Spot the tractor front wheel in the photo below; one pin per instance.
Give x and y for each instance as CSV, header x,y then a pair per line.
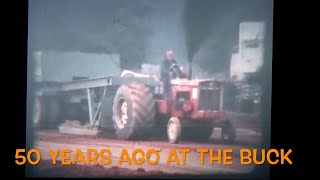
x,y
174,130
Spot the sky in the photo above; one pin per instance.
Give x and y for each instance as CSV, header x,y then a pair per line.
x,y
141,31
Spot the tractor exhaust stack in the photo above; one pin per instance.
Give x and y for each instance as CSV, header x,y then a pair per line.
x,y
190,69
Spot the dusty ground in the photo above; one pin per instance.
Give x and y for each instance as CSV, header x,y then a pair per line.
x,y
249,136
45,169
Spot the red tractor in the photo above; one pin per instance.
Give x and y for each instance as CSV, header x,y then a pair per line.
x,y
193,110
135,106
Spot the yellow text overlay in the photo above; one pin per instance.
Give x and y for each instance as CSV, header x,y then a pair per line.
x,y
152,156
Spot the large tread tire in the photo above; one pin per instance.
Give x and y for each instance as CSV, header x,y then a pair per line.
x,y
140,111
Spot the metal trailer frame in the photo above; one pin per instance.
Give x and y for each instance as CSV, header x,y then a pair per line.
x,y
52,88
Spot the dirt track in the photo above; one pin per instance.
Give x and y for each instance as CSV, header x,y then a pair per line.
x,y
248,136
46,139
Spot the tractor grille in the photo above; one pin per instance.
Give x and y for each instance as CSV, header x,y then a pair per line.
x,y
209,99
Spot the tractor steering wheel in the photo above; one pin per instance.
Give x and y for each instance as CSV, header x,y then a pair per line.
x,y
172,71
172,66
176,73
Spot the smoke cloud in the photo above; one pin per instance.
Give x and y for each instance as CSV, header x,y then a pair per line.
x,y
212,29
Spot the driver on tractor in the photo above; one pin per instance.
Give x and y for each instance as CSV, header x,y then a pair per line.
x,y
169,69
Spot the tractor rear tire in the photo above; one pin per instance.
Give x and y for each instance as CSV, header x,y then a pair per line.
x,y
133,111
